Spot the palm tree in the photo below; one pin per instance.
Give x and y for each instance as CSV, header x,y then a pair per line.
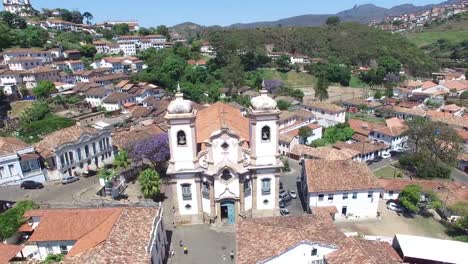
x,y
88,17
150,183
121,161
106,175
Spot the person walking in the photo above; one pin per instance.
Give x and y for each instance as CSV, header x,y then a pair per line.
x,y
181,244
232,255
186,250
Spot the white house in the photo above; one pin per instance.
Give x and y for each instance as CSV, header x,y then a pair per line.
x,y
10,80
289,137
223,166
392,134
326,113
312,239
24,63
136,234
76,149
112,63
116,100
18,162
128,48
15,53
347,185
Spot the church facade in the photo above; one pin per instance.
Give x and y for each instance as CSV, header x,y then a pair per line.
x,y
223,165
18,7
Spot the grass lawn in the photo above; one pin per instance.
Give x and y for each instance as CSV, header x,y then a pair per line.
x,y
388,172
291,78
50,123
18,107
355,82
426,38
366,117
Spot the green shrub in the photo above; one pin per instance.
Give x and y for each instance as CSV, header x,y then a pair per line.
x,y
13,218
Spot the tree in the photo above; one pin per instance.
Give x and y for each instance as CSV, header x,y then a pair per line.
x,y
333,21
121,29
121,160
144,31
106,174
304,133
88,51
163,30
12,219
43,89
6,40
233,74
31,37
150,183
378,94
88,17
53,258
12,20
76,17
390,64
154,150
321,88
283,62
283,105
410,197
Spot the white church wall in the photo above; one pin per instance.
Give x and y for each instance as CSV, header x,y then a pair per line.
x,y
261,205
229,189
266,150
183,155
248,202
221,155
206,205
193,204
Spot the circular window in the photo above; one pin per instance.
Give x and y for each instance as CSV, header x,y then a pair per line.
x,y
225,146
226,175
265,202
188,206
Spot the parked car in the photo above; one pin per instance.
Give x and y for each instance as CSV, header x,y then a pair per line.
x,y
386,155
378,158
31,185
284,211
282,192
395,207
285,199
293,194
69,179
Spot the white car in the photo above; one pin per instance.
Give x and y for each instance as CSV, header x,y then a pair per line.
x,y
386,155
394,207
293,194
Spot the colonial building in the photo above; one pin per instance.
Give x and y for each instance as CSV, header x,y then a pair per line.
x,y
73,150
348,187
18,162
223,165
18,7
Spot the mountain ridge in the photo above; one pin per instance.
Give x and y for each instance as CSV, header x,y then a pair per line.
x,y
359,13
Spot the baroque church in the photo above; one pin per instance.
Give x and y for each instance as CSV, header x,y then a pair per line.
x,y
223,165
18,7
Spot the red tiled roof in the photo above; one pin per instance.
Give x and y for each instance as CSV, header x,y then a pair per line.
x,y
213,118
9,145
337,175
7,252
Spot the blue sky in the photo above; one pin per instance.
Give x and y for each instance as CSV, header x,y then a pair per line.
x,y
209,12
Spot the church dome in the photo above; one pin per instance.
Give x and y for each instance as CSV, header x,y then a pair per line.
x,y
179,105
263,102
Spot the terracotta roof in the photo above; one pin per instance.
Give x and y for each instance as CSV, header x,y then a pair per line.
x,y
463,134
97,91
140,111
41,70
127,241
329,176
451,107
359,251
358,102
428,84
259,239
63,136
214,117
325,106
451,120
124,139
116,97
395,127
453,191
458,85
22,50
408,104
9,145
7,252
325,153
363,127
19,59
410,111
362,147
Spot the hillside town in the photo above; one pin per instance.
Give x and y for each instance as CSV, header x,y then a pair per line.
x,y
418,20
126,144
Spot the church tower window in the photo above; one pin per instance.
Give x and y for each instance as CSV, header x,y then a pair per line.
x,y
226,175
266,133
181,138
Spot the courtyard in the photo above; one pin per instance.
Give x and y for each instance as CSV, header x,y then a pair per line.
x,y
393,223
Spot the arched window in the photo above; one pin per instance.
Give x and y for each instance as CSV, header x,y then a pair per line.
x,y
266,133
181,138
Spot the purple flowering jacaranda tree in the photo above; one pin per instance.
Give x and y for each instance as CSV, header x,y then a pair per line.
x,y
154,149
